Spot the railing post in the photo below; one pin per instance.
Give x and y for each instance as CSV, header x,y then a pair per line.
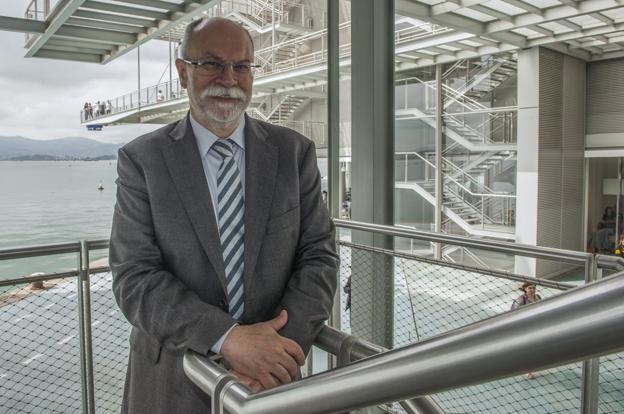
x,y
482,213
81,322
591,367
84,309
405,174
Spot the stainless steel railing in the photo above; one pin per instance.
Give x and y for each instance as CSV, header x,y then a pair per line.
x,y
589,260
82,274
582,323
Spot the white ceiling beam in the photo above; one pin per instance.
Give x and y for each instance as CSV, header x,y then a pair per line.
x,y
94,24
571,3
447,7
602,18
458,22
440,51
463,46
493,13
79,43
609,41
17,24
132,11
435,40
566,50
416,55
156,4
115,18
96,35
608,55
57,20
74,49
82,57
486,42
541,30
529,8
596,31
553,14
190,11
569,24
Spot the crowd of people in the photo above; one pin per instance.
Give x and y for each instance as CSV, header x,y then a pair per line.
x,y
91,111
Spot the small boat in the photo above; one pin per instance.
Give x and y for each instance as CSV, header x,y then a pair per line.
x,y
100,187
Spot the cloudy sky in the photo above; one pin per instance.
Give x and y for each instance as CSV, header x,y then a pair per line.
x,y
42,98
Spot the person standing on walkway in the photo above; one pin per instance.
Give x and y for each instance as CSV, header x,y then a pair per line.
x,y
220,242
528,296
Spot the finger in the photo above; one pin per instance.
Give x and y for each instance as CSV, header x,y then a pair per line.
x,y
288,363
279,321
267,381
255,386
294,350
281,374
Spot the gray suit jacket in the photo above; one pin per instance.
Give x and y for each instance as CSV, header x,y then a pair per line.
x,y
165,254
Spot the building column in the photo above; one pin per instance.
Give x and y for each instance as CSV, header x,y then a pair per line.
x,y
372,115
551,143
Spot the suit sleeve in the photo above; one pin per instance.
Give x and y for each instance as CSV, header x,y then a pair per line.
x,y
308,297
153,299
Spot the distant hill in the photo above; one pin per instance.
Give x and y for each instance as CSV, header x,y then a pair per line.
x,y
74,148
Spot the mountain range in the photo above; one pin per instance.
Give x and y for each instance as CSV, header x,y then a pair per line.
x,y
73,148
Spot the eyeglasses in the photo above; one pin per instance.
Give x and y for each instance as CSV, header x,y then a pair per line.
x,y
215,67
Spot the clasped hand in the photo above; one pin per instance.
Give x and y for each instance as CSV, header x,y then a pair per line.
x,y
260,357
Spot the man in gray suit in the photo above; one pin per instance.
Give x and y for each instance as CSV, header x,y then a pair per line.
x,y
220,241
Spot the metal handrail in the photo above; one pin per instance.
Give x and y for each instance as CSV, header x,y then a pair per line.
x,y
579,324
539,252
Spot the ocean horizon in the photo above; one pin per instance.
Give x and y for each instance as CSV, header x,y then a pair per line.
x,y
49,202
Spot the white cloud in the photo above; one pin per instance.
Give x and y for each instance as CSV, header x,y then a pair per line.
x,y
42,98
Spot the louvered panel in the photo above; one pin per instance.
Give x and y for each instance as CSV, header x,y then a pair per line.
x,y
605,89
550,139
574,75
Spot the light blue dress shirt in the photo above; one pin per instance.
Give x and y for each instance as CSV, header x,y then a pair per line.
x,y
211,161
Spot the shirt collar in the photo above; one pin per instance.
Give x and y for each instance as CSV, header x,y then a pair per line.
x,y
205,138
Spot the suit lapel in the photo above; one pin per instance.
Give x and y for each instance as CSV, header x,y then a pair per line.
x,y
260,171
185,166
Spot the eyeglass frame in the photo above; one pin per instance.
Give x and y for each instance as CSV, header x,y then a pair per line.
x,y
198,64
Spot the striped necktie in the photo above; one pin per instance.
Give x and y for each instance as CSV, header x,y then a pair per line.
x,y
231,224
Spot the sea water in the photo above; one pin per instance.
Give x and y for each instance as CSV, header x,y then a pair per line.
x,y
47,202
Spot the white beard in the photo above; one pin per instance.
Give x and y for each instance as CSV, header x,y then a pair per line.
x,y
223,112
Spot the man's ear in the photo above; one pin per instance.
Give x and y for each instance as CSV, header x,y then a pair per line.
x,y
181,67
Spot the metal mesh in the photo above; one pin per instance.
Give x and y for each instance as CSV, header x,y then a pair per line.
x,y
39,349
431,298
110,332
611,395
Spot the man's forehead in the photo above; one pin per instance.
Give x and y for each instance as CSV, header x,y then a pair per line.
x,y
221,37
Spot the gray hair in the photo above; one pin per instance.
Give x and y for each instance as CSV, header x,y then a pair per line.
x,y
192,26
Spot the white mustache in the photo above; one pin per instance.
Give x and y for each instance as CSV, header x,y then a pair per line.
x,y
222,91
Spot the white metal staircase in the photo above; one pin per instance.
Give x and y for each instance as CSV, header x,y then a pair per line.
x,y
474,207
277,111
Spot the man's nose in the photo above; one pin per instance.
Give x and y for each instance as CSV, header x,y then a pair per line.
x,y
228,76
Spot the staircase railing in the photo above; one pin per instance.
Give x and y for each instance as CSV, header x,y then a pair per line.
x,y
490,206
492,116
